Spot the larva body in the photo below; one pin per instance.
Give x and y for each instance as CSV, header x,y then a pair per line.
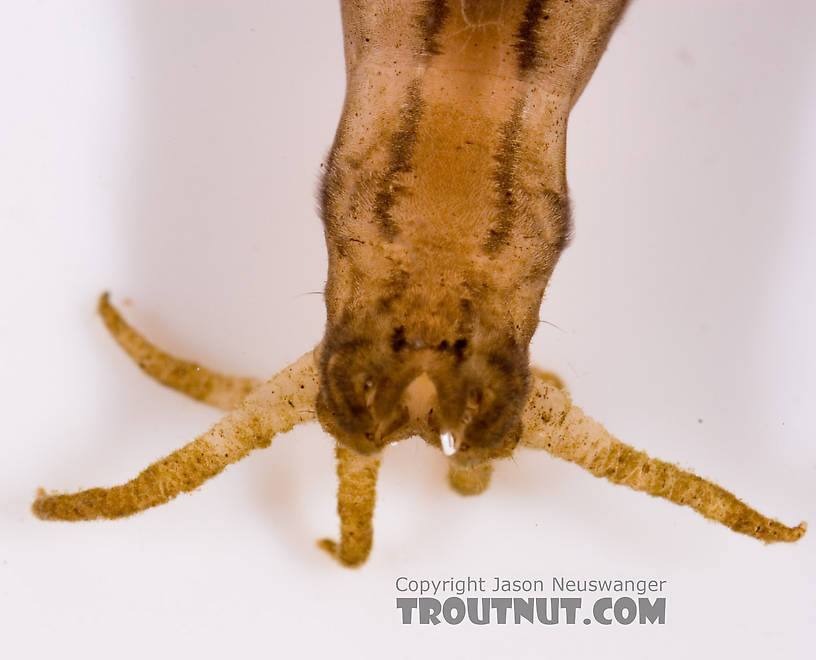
x,y
445,211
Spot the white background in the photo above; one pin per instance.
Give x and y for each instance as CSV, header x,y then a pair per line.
x,y
169,151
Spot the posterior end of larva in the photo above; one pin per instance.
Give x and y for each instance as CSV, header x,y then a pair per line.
x,y
780,532
331,546
38,507
103,305
796,533
84,505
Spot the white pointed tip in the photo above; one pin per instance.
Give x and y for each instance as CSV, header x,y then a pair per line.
x,y
448,443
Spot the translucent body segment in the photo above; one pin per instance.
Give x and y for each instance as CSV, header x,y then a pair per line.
x,y
189,378
274,407
469,480
552,423
356,497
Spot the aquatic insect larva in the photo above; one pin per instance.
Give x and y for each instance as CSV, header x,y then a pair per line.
x,y
445,210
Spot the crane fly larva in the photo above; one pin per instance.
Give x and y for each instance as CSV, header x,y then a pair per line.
x,y
445,209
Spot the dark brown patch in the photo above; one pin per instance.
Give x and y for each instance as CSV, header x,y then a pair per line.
x,y
527,44
459,347
430,23
400,152
398,341
564,217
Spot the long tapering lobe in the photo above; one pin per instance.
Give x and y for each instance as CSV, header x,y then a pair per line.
x,y
356,498
190,378
275,407
554,424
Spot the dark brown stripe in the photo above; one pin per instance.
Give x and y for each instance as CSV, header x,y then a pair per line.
x,y
503,179
527,44
430,23
401,150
